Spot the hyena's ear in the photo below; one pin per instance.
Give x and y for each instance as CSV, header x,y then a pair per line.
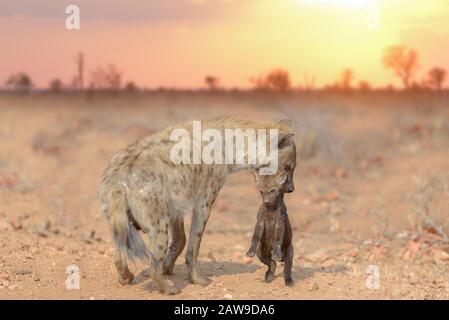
x,y
281,179
255,175
286,122
284,139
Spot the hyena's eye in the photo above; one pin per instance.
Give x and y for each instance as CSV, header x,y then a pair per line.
x,y
273,190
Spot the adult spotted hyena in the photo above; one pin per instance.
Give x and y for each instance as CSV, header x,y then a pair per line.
x,y
143,189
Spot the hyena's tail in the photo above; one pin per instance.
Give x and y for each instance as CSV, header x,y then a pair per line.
x,y
126,237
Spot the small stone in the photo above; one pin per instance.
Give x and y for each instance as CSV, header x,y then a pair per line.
x,y
313,286
21,271
211,256
402,235
441,256
227,296
426,259
328,263
353,253
12,286
414,279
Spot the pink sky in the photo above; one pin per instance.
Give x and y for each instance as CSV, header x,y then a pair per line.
x,y
176,43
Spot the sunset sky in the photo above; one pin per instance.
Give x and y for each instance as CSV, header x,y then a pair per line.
x,y
176,43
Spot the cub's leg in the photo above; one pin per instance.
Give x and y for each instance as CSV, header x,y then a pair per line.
x,y
288,258
269,275
279,231
258,231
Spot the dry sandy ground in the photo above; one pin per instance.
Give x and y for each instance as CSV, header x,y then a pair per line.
x,y
371,189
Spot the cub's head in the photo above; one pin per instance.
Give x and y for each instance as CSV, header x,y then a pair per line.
x,y
271,187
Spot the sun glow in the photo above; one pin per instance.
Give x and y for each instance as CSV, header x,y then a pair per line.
x,y
344,3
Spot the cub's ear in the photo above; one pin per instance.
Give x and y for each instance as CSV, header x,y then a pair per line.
x,y
282,179
286,122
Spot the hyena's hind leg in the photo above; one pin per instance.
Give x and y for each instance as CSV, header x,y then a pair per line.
x,y
124,276
177,244
159,245
115,208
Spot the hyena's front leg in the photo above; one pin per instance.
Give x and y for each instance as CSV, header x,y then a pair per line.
x,y
177,244
199,220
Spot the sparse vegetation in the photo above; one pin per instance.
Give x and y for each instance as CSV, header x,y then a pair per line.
x,y
55,85
403,62
19,82
106,78
212,83
436,78
277,80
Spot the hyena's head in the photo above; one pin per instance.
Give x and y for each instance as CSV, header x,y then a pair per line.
x,y
270,187
287,157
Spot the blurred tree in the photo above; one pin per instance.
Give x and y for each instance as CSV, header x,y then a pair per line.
x,y
308,81
108,78
78,81
277,79
19,82
212,82
364,86
55,85
403,62
436,78
346,79
131,87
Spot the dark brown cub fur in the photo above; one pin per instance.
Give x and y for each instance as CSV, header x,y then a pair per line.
x,y
272,239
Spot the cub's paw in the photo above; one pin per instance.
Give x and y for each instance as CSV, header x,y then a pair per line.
x,y
289,282
269,277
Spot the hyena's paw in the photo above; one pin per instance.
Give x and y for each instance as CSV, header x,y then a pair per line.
x,y
125,278
171,290
251,253
289,282
201,280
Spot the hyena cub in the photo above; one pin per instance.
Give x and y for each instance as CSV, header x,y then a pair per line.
x,y
272,239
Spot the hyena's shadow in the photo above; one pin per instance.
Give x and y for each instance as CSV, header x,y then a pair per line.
x,y
305,273
208,268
